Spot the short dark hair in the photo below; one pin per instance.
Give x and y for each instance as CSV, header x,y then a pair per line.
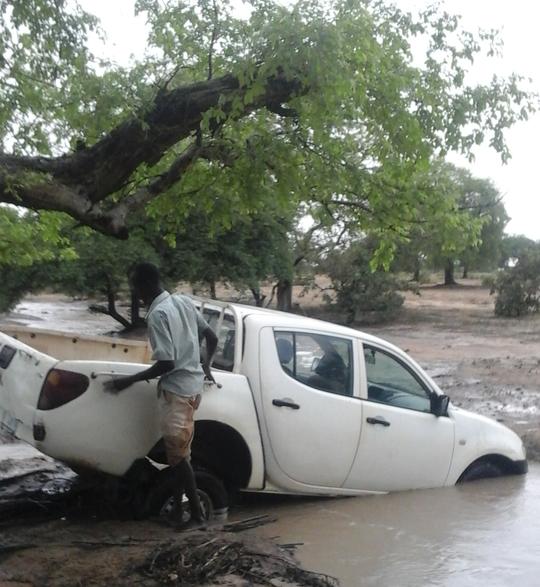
x,y
145,275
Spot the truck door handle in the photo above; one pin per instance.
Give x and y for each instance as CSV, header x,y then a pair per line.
x,y
285,403
381,421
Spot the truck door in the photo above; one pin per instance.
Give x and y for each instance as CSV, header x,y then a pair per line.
x,y
311,410
402,445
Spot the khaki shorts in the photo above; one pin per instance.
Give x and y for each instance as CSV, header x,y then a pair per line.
x,y
177,426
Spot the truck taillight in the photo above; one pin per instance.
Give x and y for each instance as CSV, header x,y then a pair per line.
x,y
61,387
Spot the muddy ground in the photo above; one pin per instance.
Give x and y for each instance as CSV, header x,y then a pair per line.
x,y
485,364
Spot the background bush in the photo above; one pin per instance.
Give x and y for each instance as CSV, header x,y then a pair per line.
x,y
517,288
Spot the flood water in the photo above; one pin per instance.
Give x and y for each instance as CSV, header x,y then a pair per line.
x,y
482,533
60,313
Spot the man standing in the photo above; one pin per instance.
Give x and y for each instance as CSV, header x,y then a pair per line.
x,y
175,329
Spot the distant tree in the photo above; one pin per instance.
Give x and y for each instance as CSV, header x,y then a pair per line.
x,y
27,240
309,239
15,282
411,255
482,200
252,249
471,235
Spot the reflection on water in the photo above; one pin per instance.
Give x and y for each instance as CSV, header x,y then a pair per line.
x,y
60,313
483,533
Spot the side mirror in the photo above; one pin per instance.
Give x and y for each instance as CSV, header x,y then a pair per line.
x,y
439,405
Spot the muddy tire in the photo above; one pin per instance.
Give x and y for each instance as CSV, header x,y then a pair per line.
x,y
209,485
212,494
481,470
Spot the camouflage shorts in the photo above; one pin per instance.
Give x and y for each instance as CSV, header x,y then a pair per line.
x,y
177,426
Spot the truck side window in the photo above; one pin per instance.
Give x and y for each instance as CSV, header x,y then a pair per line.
x,y
391,382
224,357
320,361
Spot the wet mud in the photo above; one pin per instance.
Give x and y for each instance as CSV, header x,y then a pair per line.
x,y
57,530
67,553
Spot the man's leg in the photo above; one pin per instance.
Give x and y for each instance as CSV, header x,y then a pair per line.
x,y
187,478
178,430
178,494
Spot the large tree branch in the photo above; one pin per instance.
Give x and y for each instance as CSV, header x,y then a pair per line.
x,y
115,218
80,183
175,115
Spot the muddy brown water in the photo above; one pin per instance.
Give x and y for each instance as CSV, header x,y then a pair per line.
x,y
482,533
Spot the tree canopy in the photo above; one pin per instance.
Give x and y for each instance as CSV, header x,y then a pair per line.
x,y
317,101
469,230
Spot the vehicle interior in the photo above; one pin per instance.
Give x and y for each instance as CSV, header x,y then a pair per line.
x,y
319,361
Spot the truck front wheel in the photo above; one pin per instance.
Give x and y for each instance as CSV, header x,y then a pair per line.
x,y
480,470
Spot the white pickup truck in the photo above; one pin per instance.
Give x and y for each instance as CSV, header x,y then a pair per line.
x,y
305,407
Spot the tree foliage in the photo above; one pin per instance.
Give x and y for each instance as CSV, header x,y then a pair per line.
x,y
513,247
315,101
27,240
469,230
362,293
517,288
253,248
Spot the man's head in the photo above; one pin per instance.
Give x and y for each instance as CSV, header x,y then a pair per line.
x,y
146,282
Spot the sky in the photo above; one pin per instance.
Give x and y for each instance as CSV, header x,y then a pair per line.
x,y
517,21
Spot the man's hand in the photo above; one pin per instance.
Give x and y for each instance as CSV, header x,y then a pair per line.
x,y
118,384
207,373
211,345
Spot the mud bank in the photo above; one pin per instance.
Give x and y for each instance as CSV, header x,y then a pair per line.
x,y
64,553
55,530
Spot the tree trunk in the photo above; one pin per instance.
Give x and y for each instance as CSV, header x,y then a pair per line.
x,y
135,311
110,309
83,183
284,295
213,290
416,275
258,297
465,272
449,273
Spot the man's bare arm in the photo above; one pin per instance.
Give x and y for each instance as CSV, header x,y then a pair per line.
x,y
211,345
156,370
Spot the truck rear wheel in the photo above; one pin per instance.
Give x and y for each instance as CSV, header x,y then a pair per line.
x,y
212,494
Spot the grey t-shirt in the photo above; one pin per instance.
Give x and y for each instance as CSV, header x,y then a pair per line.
x,y
174,326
